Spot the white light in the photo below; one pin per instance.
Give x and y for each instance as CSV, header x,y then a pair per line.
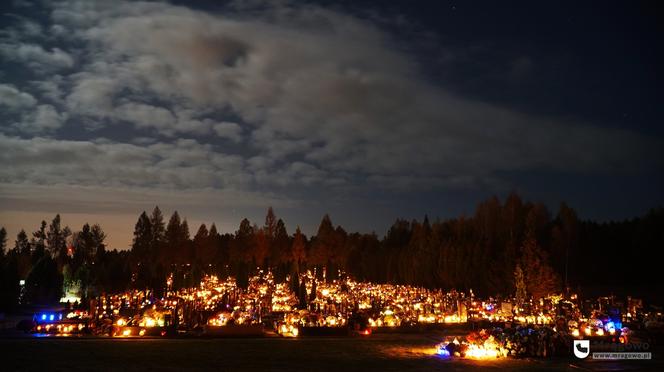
x,y
70,298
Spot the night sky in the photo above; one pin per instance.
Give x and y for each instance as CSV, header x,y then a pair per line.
x,y
366,112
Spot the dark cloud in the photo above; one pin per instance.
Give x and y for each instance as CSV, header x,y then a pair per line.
x,y
36,57
12,98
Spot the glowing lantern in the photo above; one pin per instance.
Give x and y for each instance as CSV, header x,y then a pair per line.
x,y
443,352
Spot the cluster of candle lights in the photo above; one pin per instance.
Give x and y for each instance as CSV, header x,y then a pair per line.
x,y
330,304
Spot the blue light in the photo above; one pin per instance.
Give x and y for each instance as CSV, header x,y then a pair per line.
x,y
60,316
443,352
43,317
51,317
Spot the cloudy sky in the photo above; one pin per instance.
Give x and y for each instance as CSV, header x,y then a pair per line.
x,y
367,112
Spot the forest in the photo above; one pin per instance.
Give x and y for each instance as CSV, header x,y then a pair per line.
x,y
501,246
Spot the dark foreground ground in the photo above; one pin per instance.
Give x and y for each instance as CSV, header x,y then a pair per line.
x,y
375,353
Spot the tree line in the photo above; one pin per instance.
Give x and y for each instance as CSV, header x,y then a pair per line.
x,y
504,248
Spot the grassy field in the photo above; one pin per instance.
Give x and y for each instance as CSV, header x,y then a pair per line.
x,y
381,353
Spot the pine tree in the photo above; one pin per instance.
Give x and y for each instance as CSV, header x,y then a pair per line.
x,y
280,245
39,241
213,230
201,234
298,249
57,240
22,244
213,253
3,241
98,238
157,230
143,239
83,245
184,250
243,275
520,284
54,238
173,238
201,243
261,247
295,283
323,244
540,278
242,248
184,230
270,223
312,294
302,295
565,242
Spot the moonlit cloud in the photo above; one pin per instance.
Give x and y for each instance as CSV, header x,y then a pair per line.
x,y
12,98
183,164
36,57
